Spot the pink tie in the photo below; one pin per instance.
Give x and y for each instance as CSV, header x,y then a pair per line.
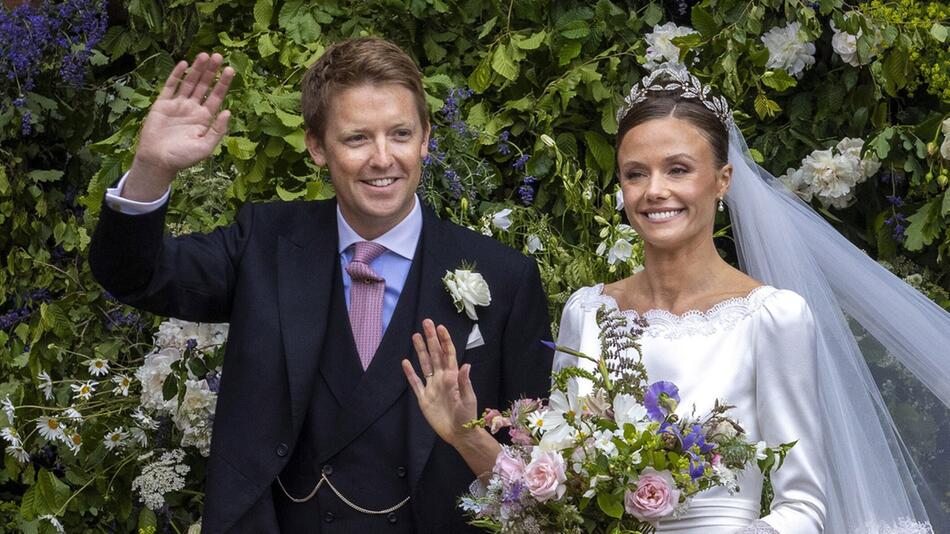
x,y
366,300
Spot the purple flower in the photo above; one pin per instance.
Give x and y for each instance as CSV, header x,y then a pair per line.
x,y
660,400
521,161
698,438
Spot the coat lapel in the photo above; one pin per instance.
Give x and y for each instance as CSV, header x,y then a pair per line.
x,y
304,284
443,254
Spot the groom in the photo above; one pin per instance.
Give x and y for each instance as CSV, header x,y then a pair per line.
x,y
315,428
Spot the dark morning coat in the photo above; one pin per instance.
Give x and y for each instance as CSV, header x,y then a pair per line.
x,y
271,276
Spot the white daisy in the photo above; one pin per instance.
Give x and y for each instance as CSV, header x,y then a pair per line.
x,y
122,384
10,434
18,453
85,390
144,420
98,367
74,441
73,413
50,428
9,409
46,384
139,436
116,438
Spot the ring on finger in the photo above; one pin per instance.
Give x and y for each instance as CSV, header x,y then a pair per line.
x,y
430,375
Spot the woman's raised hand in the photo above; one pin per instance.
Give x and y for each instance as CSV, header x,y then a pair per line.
x,y
183,126
445,396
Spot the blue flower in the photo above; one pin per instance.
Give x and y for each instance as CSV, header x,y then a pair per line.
x,y
660,400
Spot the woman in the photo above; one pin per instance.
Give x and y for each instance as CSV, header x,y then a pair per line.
x,y
787,360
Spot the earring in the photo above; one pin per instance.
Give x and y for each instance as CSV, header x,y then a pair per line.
x,y
721,206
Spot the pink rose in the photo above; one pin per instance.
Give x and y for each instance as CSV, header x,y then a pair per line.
x,y
716,458
544,477
509,466
520,436
654,497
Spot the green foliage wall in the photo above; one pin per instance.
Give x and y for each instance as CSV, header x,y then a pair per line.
x,y
534,136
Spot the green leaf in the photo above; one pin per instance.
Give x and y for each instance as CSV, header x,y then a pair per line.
x,y
945,209
704,22
170,387
147,520
240,147
298,20
434,51
610,504
778,80
939,32
287,195
480,78
263,11
45,176
653,15
924,225
503,64
576,29
602,152
529,43
51,493
297,140
568,51
766,107
895,71
265,45
291,120
487,27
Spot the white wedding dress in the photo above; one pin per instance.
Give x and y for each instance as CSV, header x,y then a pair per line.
x,y
757,353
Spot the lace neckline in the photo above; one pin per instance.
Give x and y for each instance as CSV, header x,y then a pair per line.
x,y
724,315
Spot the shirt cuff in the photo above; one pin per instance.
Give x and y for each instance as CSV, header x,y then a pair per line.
x,y
132,207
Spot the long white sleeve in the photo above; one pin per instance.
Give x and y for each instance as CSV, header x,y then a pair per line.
x,y
132,207
787,410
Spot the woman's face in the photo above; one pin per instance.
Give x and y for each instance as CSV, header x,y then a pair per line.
x,y
671,182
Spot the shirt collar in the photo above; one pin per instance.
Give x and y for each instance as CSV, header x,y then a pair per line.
x,y
401,239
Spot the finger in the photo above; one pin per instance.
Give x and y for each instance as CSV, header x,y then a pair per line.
x,y
414,382
448,348
171,83
208,75
432,343
466,390
218,129
191,79
424,362
213,102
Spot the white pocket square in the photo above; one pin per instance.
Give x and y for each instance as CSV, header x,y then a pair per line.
x,y
474,338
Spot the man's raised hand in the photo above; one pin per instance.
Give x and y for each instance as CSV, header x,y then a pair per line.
x,y
182,128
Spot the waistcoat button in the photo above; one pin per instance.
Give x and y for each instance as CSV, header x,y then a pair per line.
x,y
282,449
329,517
391,517
401,471
328,470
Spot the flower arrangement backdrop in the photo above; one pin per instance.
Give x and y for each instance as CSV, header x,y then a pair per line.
x,y
106,412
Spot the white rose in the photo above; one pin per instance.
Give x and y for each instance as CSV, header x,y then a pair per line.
x,y
152,375
468,289
787,51
660,47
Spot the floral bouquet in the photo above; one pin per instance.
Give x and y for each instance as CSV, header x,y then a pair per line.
x,y
616,460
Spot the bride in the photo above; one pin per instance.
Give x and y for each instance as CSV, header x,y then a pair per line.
x,y
777,341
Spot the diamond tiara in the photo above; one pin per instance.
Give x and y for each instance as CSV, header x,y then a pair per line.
x,y
672,77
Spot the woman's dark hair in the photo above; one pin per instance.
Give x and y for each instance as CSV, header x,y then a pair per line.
x,y
661,104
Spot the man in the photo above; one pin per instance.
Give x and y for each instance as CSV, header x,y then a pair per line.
x,y
315,428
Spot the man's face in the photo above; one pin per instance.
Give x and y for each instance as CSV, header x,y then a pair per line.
x,y
373,144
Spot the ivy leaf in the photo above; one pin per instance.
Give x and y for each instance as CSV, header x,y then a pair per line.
x,y
778,80
480,78
610,504
503,64
704,22
924,225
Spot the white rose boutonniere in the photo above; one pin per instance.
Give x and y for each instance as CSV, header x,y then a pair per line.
x,y
468,289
